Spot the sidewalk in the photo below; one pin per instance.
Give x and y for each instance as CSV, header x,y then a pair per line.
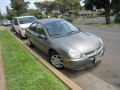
x,y
2,77
4,28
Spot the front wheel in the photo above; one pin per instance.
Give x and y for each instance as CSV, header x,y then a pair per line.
x,y
29,43
20,35
56,60
12,29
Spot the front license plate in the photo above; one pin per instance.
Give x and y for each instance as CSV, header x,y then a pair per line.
x,y
97,58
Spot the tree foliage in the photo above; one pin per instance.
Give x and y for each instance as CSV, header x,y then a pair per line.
x,y
44,6
116,6
108,5
1,16
33,12
20,6
60,5
10,13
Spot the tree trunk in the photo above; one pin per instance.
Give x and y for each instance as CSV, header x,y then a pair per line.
x,y
107,15
18,14
107,20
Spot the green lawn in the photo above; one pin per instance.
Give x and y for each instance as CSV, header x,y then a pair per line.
x,y
23,71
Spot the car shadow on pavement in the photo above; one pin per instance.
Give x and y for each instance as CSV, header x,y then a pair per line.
x,y
72,74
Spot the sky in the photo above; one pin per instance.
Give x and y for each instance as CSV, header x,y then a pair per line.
x,y
4,3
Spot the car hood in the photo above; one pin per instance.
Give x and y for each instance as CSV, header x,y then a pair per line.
x,y
25,25
83,42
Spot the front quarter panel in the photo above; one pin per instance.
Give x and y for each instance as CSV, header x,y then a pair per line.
x,y
62,51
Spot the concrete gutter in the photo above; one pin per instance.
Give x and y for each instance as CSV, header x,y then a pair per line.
x,y
2,75
70,84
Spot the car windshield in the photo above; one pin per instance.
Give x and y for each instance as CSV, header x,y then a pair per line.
x,y
25,20
61,27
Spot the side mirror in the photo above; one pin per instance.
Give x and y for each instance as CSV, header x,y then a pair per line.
x,y
42,36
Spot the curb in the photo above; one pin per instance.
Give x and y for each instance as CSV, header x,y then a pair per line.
x,y
70,84
3,85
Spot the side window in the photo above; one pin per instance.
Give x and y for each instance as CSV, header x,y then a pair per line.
x,y
40,29
33,27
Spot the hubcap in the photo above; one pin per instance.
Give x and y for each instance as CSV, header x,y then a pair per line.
x,y
28,41
56,61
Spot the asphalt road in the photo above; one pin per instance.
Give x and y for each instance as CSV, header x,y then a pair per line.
x,y
106,74
109,69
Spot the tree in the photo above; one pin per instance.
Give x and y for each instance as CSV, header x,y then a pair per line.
x,y
33,12
116,6
67,5
61,5
108,5
44,6
7,9
10,13
20,6
1,16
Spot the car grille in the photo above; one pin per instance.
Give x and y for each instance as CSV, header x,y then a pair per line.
x,y
91,55
85,65
93,52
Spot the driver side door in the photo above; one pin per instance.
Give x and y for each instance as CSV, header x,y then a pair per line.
x,y
42,42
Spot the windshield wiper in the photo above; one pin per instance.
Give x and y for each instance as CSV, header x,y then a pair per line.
x,y
71,32
57,34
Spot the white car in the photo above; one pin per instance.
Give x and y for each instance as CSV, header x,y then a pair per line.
x,y
21,23
6,22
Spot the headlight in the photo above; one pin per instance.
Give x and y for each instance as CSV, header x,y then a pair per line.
x,y
101,41
74,53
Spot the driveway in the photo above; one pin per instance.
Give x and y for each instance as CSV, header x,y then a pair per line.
x,y
104,75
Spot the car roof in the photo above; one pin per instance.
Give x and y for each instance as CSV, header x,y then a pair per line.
x,y
24,16
48,20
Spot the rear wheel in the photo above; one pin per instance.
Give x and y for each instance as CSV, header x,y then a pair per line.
x,y
56,60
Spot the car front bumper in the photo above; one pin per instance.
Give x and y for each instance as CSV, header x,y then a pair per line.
x,y
85,62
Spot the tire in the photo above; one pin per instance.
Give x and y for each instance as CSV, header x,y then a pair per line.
x,y
16,32
29,42
12,29
20,35
56,60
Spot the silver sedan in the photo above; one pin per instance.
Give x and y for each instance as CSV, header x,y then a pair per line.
x,y
66,45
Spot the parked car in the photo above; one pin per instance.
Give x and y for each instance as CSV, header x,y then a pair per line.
x,y
21,23
6,22
66,45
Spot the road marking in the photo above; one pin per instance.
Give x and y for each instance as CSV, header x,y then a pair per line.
x,y
90,82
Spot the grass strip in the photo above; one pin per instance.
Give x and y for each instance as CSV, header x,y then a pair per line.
x,y
23,71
